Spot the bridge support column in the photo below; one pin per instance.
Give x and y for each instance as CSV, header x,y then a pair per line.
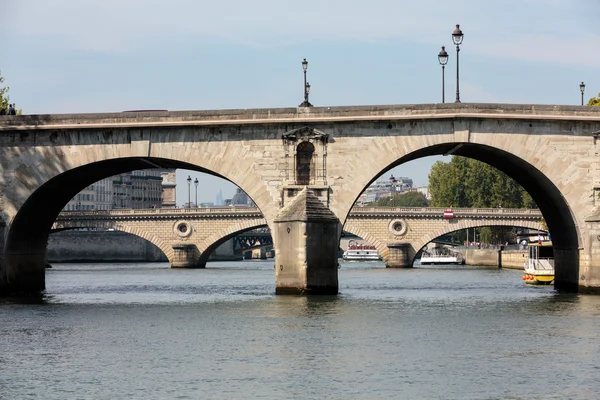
x,y
186,255
306,244
398,255
22,273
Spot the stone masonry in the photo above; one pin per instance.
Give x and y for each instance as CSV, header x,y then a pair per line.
x,y
388,227
202,229
271,154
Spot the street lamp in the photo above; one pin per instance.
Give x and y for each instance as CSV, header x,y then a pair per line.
x,y
305,103
196,184
189,181
582,89
443,60
457,38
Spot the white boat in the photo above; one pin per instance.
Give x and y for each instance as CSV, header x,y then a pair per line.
x,y
539,266
441,256
360,252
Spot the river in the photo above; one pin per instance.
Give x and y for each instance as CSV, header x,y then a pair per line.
x,y
144,331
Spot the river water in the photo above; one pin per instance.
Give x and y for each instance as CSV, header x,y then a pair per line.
x,y
144,331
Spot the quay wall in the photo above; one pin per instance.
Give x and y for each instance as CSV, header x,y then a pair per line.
x,y
114,246
100,246
512,259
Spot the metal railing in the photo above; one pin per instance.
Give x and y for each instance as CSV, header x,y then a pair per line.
x,y
429,211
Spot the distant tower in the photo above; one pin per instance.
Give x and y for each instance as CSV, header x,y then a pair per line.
x,y
168,189
219,200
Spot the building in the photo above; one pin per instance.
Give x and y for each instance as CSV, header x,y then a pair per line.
x,y
131,190
385,189
240,198
425,191
219,199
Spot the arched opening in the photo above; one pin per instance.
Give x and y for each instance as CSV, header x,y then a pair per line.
x,y
304,163
91,245
206,254
26,241
557,213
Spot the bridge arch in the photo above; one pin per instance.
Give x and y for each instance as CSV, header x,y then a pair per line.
x,y
35,208
210,244
368,237
537,178
164,247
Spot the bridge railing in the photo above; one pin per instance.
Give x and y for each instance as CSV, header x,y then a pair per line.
x,y
440,210
430,211
163,211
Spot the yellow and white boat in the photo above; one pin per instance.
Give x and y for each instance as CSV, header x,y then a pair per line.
x,y
539,267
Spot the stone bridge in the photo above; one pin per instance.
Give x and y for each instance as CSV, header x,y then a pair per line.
x,y
304,168
188,236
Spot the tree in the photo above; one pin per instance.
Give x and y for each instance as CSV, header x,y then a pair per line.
x,y
4,97
447,183
465,182
406,199
594,101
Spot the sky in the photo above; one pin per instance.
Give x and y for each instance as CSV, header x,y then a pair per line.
x,y
72,56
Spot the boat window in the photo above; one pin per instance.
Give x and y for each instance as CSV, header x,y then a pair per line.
x,y
304,156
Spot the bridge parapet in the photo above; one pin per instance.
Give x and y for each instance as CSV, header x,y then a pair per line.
x,y
315,114
163,213
436,211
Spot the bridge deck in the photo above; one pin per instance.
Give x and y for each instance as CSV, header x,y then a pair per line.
x,y
302,114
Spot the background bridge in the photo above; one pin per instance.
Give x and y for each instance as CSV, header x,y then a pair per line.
x,y
188,236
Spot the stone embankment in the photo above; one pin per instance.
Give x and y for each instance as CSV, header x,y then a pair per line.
x,y
513,259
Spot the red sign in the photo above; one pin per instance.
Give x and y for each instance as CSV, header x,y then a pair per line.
x,y
448,214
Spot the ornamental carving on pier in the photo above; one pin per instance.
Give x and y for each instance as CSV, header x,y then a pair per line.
x,y
182,229
398,227
305,156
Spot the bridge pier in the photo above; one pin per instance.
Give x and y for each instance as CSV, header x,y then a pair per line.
x,y
22,273
306,247
186,255
398,255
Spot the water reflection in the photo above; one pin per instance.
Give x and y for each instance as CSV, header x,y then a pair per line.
x,y
40,298
157,333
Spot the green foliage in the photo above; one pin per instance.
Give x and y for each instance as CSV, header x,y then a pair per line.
x,y
407,199
4,97
594,101
464,182
446,184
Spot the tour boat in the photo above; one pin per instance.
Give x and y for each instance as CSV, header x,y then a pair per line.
x,y
442,256
539,266
360,252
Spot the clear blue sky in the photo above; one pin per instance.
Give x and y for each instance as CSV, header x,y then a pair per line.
x,y
65,56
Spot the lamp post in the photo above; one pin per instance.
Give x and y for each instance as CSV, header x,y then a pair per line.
x,y
443,60
582,90
457,38
305,103
196,184
189,181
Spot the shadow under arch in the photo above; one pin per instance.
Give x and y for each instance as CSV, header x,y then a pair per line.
x,y
566,237
166,251
25,246
419,246
213,243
